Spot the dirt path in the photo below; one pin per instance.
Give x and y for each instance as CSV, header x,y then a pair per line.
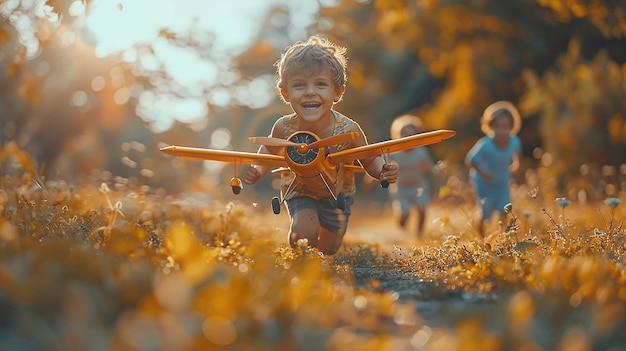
x,y
375,223
437,305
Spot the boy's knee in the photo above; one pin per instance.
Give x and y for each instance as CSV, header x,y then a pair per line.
x,y
330,251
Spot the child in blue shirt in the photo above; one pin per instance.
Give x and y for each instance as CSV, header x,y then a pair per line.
x,y
495,157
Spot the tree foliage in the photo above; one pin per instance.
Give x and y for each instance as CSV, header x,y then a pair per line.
x,y
581,104
477,52
561,61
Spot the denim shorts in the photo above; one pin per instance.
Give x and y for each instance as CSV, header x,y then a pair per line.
x,y
405,197
330,216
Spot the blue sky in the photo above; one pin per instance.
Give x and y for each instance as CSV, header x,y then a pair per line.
x,y
118,26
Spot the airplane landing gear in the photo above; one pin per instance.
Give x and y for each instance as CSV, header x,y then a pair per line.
x,y
276,205
341,201
236,185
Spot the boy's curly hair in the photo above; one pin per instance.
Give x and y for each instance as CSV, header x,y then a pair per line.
x,y
497,109
313,54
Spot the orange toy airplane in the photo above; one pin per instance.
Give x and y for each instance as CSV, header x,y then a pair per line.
x,y
305,155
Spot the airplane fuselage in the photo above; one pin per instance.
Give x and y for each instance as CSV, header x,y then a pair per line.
x,y
311,165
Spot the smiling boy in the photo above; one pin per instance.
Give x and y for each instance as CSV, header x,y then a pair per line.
x,y
311,79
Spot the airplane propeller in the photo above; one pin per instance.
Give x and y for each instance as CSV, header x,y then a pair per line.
x,y
332,140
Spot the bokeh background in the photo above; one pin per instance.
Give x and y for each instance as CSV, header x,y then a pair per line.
x,y
106,243
99,85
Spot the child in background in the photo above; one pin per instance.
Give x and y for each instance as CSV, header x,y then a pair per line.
x,y
312,79
495,157
414,168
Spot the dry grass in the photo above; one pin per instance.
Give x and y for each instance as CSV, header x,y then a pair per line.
x,y
115,266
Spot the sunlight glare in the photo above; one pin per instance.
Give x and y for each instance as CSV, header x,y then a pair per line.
x,y
25,16
186,65
188,110
116,28
98,83
220,138
261,90
146,34
77,8
161,111
121,96
219,97
133,30
67,38
147,60
79,98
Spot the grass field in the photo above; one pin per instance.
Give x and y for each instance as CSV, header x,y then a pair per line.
x,y
120,266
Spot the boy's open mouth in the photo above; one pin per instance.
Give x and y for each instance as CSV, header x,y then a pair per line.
x,y
311,105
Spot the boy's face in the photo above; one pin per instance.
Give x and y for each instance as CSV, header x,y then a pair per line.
x,y
501,126
408,130
311,93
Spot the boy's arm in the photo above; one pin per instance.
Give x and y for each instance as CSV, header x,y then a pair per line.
x,y
484,174
516,163
256,172
378,169
375,167
427,164
472,158
517,155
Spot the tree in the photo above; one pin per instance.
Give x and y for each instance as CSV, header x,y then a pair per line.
x,y
447,60
561,61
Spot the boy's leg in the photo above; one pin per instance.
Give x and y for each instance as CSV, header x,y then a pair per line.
x,y
402,206
318,221
488,204
404,217
421,201
421,213
482,198
329,242
305,223
333,225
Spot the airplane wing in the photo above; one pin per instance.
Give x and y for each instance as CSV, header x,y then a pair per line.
x,y
353,167
237,157
390,146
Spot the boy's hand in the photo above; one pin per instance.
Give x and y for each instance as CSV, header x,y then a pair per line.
x,y
252,175
488,176
389,173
